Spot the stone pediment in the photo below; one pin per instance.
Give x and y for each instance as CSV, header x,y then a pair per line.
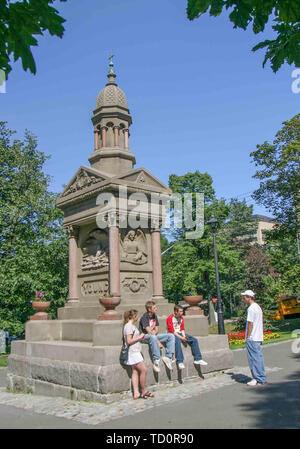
x,y
142,178
84,178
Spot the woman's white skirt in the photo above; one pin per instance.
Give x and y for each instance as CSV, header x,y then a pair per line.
x,y
134,357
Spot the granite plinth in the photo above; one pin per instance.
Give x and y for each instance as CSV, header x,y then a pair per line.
x,y
92,311
100,333
82,370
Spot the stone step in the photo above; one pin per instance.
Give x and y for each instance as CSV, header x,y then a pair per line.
x,y
99,332
86,352
93,311
3,374
60,367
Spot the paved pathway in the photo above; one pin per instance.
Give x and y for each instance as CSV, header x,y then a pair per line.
x,y
195,404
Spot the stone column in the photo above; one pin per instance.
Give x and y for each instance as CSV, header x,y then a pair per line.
x,y
156,264
73,232
116,135
114,256
103,132
96,139
126,138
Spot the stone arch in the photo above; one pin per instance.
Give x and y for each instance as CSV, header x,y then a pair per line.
x,y
110,134
121,135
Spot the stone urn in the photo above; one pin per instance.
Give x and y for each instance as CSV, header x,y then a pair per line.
x,y
110,303
40,308
193,302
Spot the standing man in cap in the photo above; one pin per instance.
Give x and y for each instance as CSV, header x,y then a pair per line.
x,y
254,339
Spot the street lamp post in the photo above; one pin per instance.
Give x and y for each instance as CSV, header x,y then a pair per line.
x,y
213,224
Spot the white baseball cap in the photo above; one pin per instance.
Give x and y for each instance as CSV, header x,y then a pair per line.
x,y
248,293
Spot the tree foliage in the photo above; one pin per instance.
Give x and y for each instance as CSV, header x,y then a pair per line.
x,y
20,22
279,176
259,266
240,225
33,247
188,268
286,20
283,255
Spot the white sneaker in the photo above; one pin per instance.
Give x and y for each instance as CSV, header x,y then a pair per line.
x,y
181,366
156,367
168,363
200,362
252,382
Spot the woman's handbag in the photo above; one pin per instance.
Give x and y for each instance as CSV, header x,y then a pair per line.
x,y
124,352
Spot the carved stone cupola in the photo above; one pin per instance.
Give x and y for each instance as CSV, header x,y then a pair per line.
x,y
111,120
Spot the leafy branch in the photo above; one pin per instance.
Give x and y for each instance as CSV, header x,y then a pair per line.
x,y
285,48
20,22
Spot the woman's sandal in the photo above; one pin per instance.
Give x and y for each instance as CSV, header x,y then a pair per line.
x,y
148,394
140,397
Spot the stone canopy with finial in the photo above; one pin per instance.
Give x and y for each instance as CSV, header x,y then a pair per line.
x,y
111,120
111,94
111,74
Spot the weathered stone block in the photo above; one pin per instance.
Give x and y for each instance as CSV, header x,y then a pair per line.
x,y
50,389
18,347
77,330
114,378
43,330
17,383
107,333
196,325
84,377
53,371
19,365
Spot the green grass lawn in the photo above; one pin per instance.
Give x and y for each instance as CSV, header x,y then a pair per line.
x,y
283,327
3,361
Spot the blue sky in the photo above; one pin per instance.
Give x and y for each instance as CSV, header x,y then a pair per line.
x,y
198,96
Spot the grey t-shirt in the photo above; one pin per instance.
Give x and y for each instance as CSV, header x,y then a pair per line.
x,y
130,329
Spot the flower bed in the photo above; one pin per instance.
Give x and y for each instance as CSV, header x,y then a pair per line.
x,y
239,337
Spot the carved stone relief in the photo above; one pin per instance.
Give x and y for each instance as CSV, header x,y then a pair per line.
x,y
95,251
134,284
141,177
134,248
93,288
72,231
83,179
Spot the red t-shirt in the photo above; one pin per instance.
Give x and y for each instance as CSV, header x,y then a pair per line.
x,y
175,324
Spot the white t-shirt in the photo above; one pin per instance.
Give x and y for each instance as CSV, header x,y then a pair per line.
x,y
130,329
255,316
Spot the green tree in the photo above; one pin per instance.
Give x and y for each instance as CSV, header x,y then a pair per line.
x,y
259,266
240,225
279,176
283,256
20,21
189,266
286,23
33,247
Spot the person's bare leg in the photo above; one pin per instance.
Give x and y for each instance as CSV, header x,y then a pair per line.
x,y
135,381
142,369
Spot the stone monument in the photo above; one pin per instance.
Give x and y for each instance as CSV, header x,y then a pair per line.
x,y
112,215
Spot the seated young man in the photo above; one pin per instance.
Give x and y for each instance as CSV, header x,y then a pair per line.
x,y
149,326
175,324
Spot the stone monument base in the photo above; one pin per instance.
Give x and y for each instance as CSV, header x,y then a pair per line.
x,y
90,310
79,359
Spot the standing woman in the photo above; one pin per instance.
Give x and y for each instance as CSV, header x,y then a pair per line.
x,y
135,357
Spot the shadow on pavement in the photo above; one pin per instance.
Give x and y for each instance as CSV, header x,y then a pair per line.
x,y
239,377
277,405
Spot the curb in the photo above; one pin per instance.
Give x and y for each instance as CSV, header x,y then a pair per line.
x,y
268,344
